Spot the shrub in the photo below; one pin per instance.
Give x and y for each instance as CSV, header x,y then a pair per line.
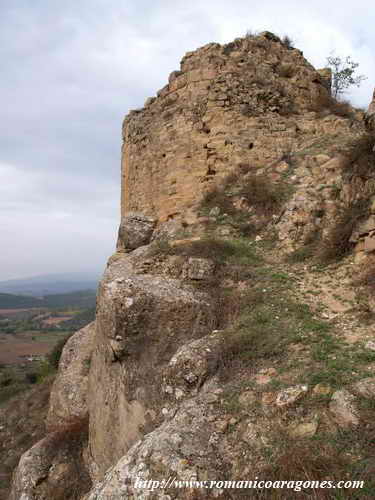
x,y
288,42
71,439
31,377
220,251
340,108
337,244
308,250
217,197
328,103
261,194
301,254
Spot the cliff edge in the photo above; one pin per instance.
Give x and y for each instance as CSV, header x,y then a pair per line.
x,y
220,351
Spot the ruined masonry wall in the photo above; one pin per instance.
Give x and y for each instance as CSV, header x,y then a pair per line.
x,y
245,102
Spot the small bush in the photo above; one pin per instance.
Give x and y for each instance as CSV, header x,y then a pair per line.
x,y
31,377
288,42
327,103
301,254
250,33
220,251
73,430
337,244
217,197
71,439
308,250
340,108
260,193
262,331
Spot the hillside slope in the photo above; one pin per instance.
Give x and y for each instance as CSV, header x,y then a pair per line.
x,y
234,331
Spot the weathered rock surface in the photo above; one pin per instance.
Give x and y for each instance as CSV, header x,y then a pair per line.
x,y
52,468
68,398
141,320
290,395
365,388
177,449
135,231
198,268
189,368
343,409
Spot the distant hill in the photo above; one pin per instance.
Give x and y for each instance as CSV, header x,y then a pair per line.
x,y
82,299
8,301
48,284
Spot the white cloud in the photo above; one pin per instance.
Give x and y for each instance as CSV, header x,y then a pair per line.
x,y
70,72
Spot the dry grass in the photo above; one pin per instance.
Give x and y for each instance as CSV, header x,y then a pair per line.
x,y
327,103
265,197
340,108
262,195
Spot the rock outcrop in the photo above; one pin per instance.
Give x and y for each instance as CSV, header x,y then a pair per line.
x,y
142,393
135,231
69,391
141,319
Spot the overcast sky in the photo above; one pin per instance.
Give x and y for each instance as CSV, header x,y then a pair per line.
x,y
71,70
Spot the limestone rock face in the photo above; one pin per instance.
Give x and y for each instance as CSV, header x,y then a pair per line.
x,y
68,398
135,230
141,319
